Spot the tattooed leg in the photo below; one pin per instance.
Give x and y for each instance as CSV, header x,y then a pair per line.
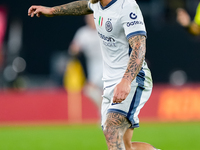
x,y
114,129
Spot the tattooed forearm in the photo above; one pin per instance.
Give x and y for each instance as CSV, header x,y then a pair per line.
x,y
138,45
114,129
74,8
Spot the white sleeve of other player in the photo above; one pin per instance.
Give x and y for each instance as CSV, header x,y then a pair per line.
x,y
79,37
132,19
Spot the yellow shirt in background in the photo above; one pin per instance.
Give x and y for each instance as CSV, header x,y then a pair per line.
x,y
197,16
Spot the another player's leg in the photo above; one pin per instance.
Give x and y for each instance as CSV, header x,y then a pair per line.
x,y
127,138
114,129
135,145
94,93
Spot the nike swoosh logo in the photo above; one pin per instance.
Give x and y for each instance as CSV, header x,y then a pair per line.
x,y
109,86
115,103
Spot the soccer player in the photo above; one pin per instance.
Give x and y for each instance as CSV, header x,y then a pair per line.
x,y
126,76
184,19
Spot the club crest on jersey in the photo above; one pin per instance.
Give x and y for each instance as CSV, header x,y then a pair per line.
x,y
108,25
133,16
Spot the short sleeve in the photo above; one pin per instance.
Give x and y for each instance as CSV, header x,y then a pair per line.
x,y
132,20
90,5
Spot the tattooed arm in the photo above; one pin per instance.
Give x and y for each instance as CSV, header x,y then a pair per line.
x,y
138,45
74,8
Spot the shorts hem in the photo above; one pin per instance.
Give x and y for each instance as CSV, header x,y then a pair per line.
x,y
136,125
133,125
118,111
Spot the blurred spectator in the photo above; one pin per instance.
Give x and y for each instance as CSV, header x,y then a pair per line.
x,y
3,24
86,41
14,64
184,20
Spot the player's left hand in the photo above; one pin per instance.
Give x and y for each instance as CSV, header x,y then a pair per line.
x,y
121,91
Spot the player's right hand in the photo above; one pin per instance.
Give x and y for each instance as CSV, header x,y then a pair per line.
x,y
121,91
40,10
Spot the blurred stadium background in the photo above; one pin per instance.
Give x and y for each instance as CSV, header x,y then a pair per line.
x,y
36,108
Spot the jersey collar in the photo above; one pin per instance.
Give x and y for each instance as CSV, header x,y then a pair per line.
x,y
109,4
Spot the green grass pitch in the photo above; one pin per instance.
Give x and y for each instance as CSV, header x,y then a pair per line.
x,y
166,136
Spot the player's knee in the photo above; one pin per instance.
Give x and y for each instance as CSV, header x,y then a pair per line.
x,y
115,126
128,145
108,132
